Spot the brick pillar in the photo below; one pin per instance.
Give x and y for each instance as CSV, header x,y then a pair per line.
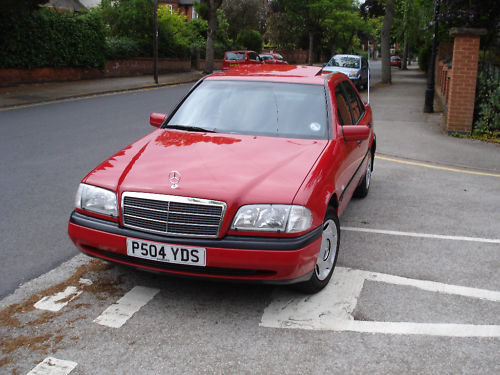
x,y
462,89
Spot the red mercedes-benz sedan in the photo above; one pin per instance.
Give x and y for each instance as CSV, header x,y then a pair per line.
x,y
244,180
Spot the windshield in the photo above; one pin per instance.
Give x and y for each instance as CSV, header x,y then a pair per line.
x,y
257,108
235,56
344,62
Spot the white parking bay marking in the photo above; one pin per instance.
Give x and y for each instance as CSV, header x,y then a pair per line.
x,y
332,308
61,299
422,235
53,366
117,314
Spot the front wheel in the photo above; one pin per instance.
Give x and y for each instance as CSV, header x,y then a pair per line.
x,y
327,256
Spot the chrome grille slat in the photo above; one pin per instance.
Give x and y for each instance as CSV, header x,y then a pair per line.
x,y
172,215
145,218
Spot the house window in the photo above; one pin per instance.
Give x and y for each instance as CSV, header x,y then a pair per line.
x,y
194,14
169,8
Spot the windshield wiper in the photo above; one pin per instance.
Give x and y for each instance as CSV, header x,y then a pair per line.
x,y
191,128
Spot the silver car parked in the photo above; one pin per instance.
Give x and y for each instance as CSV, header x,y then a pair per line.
x,y
354,66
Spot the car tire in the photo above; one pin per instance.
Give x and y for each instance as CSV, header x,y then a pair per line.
x,y
327,256
364,185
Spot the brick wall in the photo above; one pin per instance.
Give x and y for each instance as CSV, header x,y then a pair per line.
x,y
217,64
113,68
462,85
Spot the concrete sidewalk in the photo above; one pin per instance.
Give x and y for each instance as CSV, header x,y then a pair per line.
x,y
22,95
406,132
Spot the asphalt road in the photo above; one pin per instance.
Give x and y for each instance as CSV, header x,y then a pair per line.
x,y
416,289
45,151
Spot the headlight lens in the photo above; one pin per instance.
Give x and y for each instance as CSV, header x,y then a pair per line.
x,y
96,199
353,74
272,218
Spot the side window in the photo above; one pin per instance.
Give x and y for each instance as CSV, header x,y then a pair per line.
x,y
343,113
364,63
253,56
353,101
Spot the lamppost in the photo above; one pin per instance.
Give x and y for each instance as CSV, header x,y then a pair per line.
x,y
429,92
155,42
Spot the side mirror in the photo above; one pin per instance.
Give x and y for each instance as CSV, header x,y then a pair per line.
x,y
356,132
156,119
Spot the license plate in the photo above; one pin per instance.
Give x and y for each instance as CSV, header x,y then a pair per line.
x,y
231,65
161,252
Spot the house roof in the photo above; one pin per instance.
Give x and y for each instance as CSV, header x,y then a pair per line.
x,y
76,5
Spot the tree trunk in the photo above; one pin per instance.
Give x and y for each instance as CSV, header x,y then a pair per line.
x,y
386,42
405,54
311,41
211,34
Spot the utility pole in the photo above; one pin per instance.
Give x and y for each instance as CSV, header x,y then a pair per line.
x,y
155,42
429,92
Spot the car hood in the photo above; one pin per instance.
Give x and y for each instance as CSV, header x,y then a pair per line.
x,y
233,168
346,71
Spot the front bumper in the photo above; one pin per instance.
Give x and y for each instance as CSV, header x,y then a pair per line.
x,y
272,260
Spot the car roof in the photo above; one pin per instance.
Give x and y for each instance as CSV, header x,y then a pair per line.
x,y
340,54
241,51
276,73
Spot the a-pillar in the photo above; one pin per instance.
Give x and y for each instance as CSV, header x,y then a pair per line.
x,y
462,90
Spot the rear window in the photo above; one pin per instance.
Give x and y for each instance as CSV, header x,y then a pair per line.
x,y
344,61
285,110
235,56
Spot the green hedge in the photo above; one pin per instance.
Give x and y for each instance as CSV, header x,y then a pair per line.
x,y
123,48
46,38
487,106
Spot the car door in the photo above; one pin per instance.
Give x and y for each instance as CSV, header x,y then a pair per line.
x,y
350,111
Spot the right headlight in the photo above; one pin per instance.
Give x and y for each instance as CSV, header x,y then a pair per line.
x,y
96,199
272,218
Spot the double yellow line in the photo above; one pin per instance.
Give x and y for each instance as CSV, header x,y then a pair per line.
x,y
436,167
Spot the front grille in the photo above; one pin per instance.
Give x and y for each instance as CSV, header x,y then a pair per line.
x,y
172,215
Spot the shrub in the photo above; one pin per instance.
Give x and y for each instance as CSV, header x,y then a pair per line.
x,y
424,57
122,48
487,106
250,39
47,38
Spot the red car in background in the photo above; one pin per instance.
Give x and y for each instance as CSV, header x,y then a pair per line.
x,y
245,180
236,58
272,58
396,61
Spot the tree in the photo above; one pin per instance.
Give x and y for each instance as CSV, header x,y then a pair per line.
x,y
207,9
250,39
321,26
245,15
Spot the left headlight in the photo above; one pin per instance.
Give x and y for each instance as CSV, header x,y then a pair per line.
x,y
272,218
96,199
353,74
